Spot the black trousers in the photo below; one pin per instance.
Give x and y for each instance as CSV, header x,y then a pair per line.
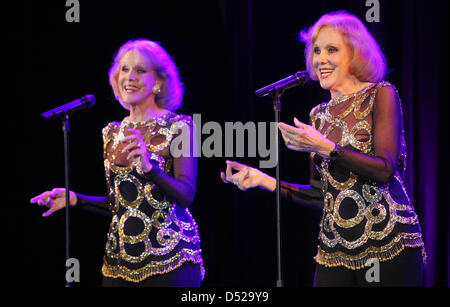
x,y
187,275
405,270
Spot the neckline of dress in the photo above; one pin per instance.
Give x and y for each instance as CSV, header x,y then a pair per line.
x,y
341,99
146,122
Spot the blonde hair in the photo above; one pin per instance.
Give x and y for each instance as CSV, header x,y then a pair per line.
x,y
171,94
368,63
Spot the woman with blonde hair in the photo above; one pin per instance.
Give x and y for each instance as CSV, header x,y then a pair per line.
x,y
153,239
358,157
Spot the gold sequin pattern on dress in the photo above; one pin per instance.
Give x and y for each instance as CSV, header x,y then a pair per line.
x,y
159,220
120,179
374,203
154,267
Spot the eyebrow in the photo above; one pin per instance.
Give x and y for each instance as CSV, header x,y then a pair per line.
x,y
136,66
327,45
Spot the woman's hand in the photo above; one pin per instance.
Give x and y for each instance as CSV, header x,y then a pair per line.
x,y
247,177
54,199
137,149
305,138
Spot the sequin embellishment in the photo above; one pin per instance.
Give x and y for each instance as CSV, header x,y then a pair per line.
x,y
145,231
375,213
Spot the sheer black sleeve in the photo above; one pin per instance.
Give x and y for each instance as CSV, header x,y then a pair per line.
x,y
387,130
305,195
180,188
94,204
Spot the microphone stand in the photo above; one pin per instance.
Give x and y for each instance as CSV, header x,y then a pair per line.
x,y
65,127
64,116
277,93
276,90
64,112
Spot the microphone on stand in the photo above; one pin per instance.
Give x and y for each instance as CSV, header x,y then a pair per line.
x,y
299,78
78,104
276,90
65,111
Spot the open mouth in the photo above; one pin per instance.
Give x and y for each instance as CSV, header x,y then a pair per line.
x,y
130,89
325,72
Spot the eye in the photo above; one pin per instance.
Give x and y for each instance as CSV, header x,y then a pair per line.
x,y
124,68
141,71
332,49
316,50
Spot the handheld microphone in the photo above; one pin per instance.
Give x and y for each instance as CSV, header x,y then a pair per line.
x,y
78,104
299,78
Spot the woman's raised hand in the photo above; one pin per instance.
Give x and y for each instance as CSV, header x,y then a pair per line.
x,y
137,150
54,200
305,138
246,177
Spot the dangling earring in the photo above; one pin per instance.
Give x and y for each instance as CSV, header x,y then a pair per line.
x,y
156,90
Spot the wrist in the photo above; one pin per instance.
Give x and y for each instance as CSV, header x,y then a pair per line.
x,y
73,198
147,168
268,183
335,153
327,149
144,169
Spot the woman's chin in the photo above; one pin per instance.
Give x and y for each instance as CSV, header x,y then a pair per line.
x,y
131,102
324,84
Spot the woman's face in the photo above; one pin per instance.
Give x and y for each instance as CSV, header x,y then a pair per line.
x,y
331,60
136,78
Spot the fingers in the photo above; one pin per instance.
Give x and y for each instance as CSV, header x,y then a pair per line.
x,y
57,192
133,140
49,203
135,131
224,177
137,153
41,199
130,139
137,147
299,124
284,136
229,177
290,134
289,139
47,213
229,171
287,128
296,138
131,146
235,165
135,144
294,130
53,200
239,178
135,135
46,198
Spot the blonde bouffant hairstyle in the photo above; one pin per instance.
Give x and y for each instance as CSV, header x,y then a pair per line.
x,y
171,94
368,63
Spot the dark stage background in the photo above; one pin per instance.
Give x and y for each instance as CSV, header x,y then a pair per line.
x,y
224,50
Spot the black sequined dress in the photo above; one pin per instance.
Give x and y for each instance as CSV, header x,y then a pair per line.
x,y
366,211
152,231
